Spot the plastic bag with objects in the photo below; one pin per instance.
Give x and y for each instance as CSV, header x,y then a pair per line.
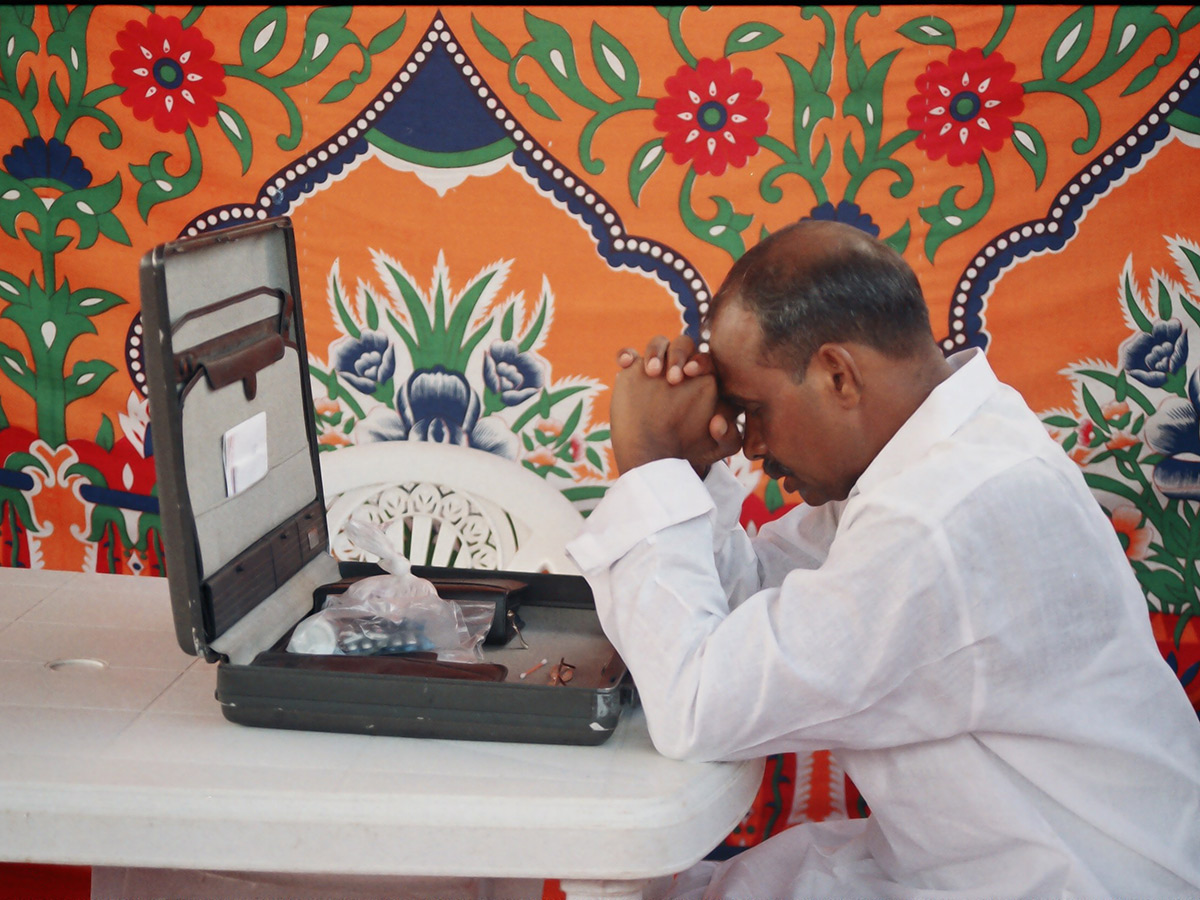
x,y
392,614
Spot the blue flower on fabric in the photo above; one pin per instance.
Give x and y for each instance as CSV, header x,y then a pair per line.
x,y
366,362
1152,358
514,375
1174,431
43,163
847,213
440,406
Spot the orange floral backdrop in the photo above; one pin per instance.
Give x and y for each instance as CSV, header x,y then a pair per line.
x,y
490,201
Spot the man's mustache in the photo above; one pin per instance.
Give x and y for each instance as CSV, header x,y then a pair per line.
x,y
775,470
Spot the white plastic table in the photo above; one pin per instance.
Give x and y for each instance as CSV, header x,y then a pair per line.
x,y
114,752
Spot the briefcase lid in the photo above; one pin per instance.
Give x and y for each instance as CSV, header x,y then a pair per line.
x,y
234,438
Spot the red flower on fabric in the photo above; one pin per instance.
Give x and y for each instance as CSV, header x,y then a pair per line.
x,y
711,116
168,73
965,105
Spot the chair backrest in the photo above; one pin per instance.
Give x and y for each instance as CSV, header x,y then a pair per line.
x,y
446,505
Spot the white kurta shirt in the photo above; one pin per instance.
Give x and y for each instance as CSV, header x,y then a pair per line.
x,y
963,631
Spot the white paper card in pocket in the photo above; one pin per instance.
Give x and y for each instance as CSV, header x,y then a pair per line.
x,y
244,453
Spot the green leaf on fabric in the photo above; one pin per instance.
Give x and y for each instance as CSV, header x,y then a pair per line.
x,y
811,106
553,47
325,34
91,302
1121,389
264,36
105,437
773,496
1189,308
644,164
490,42
1094,411
865,100
85,207
13,290
388,36
1141,79
1135,307
1132,25
948,219
540,105
929,30
1193,259
898,240
1114,382
751,36
1060,422
234,126
339,91
159,185
57,100
1164,301
571,424
16,367
1068,43
86,377
724,229
508,322
16,197
585,492
1032,147
343,312
111,228
372,309
535,330
1165,585
554,50
615,63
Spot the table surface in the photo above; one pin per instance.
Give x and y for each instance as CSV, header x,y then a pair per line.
x,y
113,751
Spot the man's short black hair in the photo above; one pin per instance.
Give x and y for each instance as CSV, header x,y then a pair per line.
x,y
815,282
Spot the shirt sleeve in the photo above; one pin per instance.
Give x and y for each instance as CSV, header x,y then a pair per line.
x,y
803,663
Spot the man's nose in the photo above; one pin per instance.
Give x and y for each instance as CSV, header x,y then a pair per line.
x,y
753,445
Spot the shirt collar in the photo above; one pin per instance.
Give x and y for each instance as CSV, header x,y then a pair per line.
x,y
947,407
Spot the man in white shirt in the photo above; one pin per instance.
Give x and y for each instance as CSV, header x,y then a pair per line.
x,y
949,611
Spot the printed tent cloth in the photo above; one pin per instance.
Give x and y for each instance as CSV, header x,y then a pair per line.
x,y
489,202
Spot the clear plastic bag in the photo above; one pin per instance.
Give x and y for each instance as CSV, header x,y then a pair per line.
x,y
392,614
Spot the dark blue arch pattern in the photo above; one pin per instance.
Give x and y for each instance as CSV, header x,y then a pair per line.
x,y
1051,233
289,186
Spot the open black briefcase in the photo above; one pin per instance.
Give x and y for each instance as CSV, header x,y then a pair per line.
x,y
247,547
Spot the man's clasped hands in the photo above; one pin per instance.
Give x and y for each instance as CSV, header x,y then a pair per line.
x,y
670,406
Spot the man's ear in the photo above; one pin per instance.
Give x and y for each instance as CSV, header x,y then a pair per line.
x,y
841,373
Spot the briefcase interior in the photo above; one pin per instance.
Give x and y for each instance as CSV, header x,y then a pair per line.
x,y
247,545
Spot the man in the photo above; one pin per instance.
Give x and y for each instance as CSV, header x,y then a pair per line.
x,y
949,611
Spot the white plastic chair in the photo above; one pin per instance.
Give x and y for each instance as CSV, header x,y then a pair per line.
x,y
447,505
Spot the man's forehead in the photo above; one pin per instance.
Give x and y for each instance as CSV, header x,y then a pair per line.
x,y
735,347
735,334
